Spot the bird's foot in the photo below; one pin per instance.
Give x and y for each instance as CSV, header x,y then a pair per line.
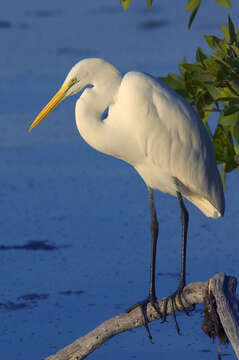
x,y
143,306
176,297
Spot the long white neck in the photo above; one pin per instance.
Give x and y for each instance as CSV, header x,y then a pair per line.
x,y
92,103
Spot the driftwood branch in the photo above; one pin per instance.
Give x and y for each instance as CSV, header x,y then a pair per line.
x,y
221,287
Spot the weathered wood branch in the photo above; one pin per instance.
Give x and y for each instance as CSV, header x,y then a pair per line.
x,y
221,287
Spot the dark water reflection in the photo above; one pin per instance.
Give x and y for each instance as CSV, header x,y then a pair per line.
x,y
5,24
43,13
33,245
152,24
32,300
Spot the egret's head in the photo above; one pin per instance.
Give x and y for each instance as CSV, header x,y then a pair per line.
x,y
81,75
77,79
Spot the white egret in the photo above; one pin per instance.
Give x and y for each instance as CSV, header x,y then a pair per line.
x,y
156,131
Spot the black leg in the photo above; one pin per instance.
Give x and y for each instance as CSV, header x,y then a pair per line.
x,y
154,231
178,292
184,220
152,294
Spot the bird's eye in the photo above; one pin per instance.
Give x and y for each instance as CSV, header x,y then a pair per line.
x,y
72,82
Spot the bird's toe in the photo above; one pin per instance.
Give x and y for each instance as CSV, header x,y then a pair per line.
x,y
143,307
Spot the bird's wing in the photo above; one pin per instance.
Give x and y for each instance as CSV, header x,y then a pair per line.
x,y
171,135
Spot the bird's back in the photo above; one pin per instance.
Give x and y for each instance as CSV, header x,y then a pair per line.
x,y
172,141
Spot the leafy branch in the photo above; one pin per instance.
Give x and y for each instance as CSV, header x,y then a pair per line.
x,y
211,84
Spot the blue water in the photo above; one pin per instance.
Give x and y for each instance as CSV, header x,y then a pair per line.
x,y
56,190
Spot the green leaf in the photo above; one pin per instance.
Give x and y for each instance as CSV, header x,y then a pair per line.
x,y
212,66
225,32
227,99
228,95
219,45
236,133
225,3
212,41
192,67
236,158
201,77
232,31
236,148
149,3
231,110
125,4
228,120
192,4
179,81
174,81
200,56
231,164
223,174
235,49
206,114
234,86
194,12
225,65
224,148
213,91
180,66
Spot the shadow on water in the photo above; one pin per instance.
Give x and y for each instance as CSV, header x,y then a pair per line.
x,y
170,274
152,24
5,24
32,300
42,13
33,245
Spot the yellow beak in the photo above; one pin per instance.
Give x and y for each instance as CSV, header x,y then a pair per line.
x,y
56,100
